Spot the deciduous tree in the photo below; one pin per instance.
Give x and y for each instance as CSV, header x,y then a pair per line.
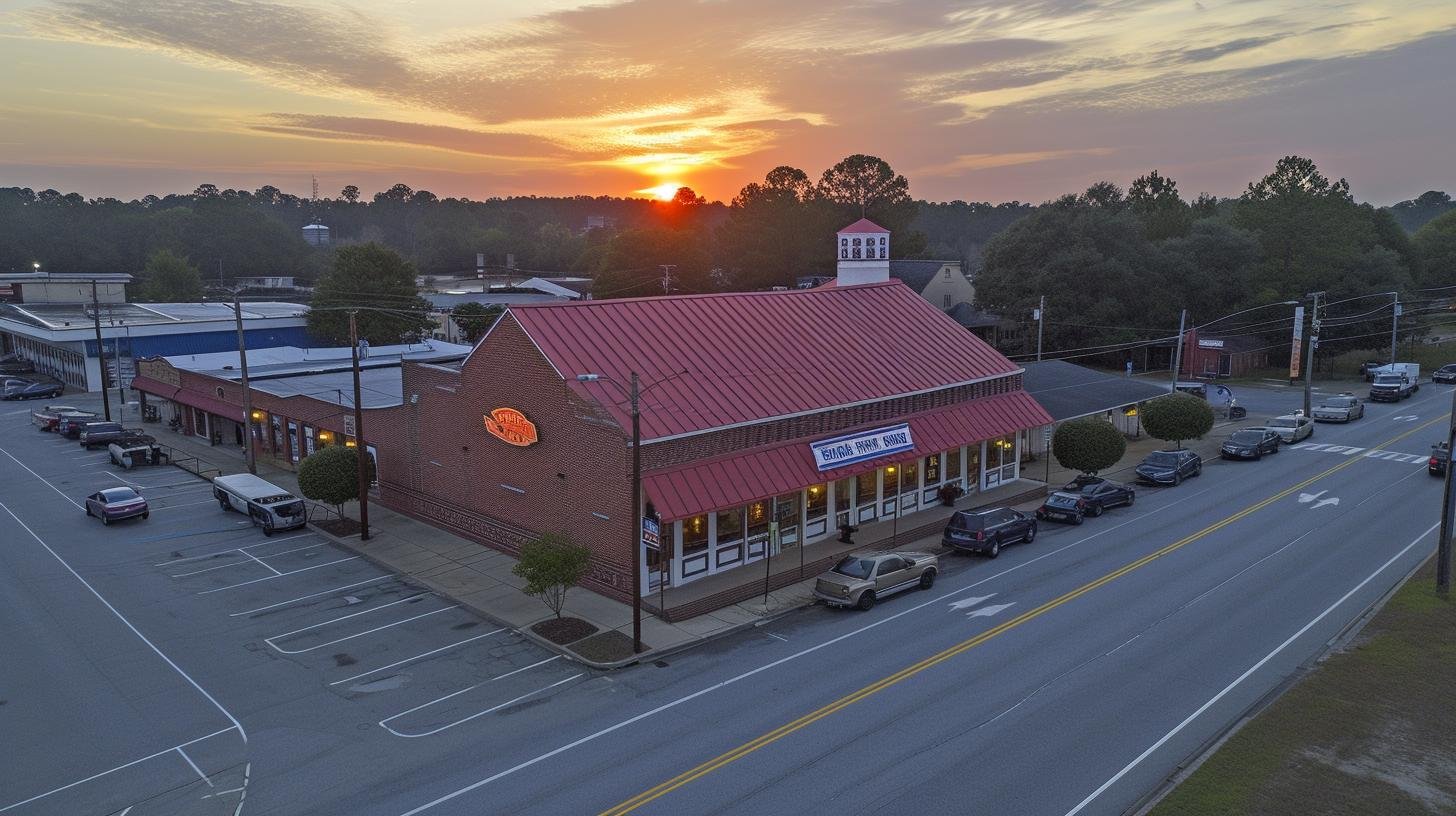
x,y
475,318
1177,417
380,285
1088,445
551,565
331,475
170,278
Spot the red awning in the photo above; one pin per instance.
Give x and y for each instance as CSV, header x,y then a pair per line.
x,y
212,405
737,479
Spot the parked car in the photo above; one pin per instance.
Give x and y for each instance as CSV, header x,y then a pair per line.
x,y
987,531
1395,382
1291,427
15,364
1440,458
72,422
1063,506
1250,443
115,504
1367,368
32,389
267,505
47,417
1169,467
861,579
1445,374
1104,493
100,434
1341,408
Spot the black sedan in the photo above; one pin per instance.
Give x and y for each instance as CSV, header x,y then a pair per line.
x,y
986,531
115,504
1063,506
1101,494
1169,467
31,389
1445,374
1250,444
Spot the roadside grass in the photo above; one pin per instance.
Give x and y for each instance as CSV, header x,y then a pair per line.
x,y
1368,731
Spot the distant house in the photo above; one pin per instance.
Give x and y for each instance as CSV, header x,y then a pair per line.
x,y
943,283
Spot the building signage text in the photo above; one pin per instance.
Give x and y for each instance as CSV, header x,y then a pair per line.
x,y
847,450
511,426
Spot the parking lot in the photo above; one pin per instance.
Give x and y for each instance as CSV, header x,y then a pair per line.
x,y
289,633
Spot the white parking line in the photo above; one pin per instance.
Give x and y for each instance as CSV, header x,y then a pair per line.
x,y
306,597
352,615
113,770
270,642
42,479
494,708
416,657
194,767
265,564
1241,678
279,575
234,549
467,688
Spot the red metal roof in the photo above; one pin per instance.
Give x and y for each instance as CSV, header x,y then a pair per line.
x,y
863,225
737,479
709,361
211,405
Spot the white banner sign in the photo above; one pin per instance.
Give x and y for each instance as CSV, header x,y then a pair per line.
x,y
847,450
1294,354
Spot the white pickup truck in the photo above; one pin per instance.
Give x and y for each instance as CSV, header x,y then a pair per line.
x,y
1395,382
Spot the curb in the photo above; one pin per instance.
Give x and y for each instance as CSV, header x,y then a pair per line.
x,y
1204,752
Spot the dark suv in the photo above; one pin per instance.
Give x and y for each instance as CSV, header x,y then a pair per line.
x,y
101,434
986,531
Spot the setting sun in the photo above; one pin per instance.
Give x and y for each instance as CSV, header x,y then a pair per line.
x,y
662,192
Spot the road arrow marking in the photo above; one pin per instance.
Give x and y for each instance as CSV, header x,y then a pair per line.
x,y
1323,502
968,602
1405,418
1306,498
988,611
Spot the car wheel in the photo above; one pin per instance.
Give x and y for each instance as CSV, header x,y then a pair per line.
x,y
1177,479
88,510
866,601
1030,534
1096,510
147,514
105,521
993,550
267,531
1258,455
927,579
1131,497
1198,471
223,503
1078,519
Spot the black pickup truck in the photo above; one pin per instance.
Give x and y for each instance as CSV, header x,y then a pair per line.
x,y
1440,457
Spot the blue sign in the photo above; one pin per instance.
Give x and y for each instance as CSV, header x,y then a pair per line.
x,y
847,450
651,533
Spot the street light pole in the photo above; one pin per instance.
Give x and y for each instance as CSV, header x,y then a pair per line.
x,y
1394,324
1178,351
1314,328
1040,321
360,449
637,521
100,351
1443,546
248,452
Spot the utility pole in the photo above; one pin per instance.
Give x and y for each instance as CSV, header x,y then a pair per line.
x,y
1443,546
1178,352
667,270
1314,327
1394,325
359,446
637,519
1040,321
248,452
100,351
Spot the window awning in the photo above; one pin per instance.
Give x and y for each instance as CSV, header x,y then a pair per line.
x,y
212,405
737,479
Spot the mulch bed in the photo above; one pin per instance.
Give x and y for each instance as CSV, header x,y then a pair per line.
x,y
562,631
342,528
607,647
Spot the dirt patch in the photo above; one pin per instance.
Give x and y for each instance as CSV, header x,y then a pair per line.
x,y
1368,731
607,647
341,528
562,631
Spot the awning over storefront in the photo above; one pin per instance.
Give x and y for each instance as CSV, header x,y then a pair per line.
x,y
199,401
734,480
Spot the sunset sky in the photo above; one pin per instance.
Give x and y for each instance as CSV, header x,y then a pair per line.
x,y
984,101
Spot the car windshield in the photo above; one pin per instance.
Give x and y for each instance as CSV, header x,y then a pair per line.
x,y
1161,459
1247,438
1283,423
1449,369
855,567
1338,402
291,510
1386,379
1061,500
119,494
968,521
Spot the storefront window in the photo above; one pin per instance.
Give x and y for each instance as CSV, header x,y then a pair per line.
x,y
694,545
730,525
865,484
910,476
892,480
1000,460
932,469
786,512
973,466
953,465
818,504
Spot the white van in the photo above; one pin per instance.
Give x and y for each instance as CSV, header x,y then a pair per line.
x,y
267,505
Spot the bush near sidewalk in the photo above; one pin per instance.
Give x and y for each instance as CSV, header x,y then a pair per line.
x,y
1088,445
1369,731
1177,417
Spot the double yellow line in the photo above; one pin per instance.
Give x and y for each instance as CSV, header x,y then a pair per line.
x,y
786,729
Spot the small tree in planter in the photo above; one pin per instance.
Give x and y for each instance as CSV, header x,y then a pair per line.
x,y
1177,417
551,565
331,476
1088,445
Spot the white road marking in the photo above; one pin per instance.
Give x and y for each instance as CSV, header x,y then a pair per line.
x,y
280,650
416,657
1323,502
462,691
1306,498
279,575
306,597
265,564
1247,673
964,603
210,569
495,708
536,760
988,611
779,637
194,767
351,615
234,549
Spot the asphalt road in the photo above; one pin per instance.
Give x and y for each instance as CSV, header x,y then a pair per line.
x,y
1068,676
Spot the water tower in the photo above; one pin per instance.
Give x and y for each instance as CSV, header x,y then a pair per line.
x,y
316,235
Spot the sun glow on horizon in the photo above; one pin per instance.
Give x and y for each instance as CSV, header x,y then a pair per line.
x,y
662,192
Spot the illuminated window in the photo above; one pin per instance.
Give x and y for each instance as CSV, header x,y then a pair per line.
x,y
817,504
